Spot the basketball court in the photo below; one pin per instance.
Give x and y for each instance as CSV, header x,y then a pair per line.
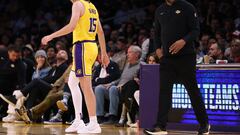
x,y
43,129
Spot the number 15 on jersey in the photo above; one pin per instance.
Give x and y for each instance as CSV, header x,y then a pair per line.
x,y
93,25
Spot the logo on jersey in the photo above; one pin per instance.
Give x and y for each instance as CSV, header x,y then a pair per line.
x,y
79,71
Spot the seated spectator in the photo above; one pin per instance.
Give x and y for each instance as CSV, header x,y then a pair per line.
x,y
114,36
42,66
51,55
42,69
120,55
55,94
227,54
152,59
127,96
12,71
159,53
12,74
60,45
28,59
111,90
28,53
37,89
235,50
143,41
203,45
60,89
216,53
103,77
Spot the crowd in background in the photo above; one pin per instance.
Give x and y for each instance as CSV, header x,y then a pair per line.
x,y
126,23
25,22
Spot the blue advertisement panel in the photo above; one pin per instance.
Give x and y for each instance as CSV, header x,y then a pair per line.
x,y
221,94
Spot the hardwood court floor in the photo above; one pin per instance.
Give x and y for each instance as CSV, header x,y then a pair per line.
x,y
43,129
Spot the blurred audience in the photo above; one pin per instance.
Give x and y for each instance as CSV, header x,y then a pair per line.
x,y
125,23
120,53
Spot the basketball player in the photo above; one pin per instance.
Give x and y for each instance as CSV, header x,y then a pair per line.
x,y
85,25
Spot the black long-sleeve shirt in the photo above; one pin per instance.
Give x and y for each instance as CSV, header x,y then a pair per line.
x,y
55,73
175,22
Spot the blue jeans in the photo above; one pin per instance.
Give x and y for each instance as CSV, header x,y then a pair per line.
x,y
111,94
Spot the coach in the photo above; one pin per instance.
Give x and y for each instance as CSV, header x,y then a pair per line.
x,y
176,28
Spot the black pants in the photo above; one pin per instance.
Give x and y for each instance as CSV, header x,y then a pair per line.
x,y
127,97
181,69
37,90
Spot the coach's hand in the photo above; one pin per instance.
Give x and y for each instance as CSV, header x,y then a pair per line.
x,y
175,47
105,60
46,39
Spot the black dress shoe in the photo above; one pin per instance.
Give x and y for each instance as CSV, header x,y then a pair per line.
x,y
101,119
120,125
204,130
155,131
112,120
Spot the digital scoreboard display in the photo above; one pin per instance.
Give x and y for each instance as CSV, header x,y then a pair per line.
x,y
221,95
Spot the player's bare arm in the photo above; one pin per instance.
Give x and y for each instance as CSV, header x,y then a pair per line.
x,y
101,38
77,11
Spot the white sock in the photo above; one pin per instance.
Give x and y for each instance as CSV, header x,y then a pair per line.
x,y
66,96
123,114
93,119
121,120
73,84
136,96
